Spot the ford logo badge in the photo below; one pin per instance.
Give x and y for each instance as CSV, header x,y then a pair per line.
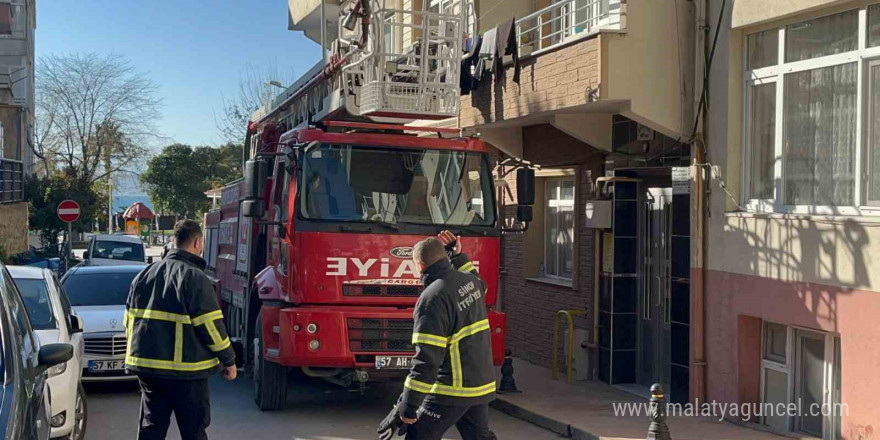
x,y
403,252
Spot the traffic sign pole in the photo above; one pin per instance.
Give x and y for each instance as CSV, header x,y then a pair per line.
x,y
68,212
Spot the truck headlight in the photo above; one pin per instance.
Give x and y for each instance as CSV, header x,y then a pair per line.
x,y
58,369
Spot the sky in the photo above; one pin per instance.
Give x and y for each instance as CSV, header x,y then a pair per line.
x,y
194,50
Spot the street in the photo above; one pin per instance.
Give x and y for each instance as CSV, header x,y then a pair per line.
x,y
315,410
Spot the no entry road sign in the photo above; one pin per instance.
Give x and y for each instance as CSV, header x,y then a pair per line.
x,y
68,211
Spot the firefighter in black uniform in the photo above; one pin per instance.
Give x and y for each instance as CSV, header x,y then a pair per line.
x,y
176,339
452,379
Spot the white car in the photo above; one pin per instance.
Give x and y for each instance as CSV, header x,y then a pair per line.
x,y
53,321
108,250
98,295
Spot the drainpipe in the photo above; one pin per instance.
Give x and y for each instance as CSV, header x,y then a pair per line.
x,y
698,212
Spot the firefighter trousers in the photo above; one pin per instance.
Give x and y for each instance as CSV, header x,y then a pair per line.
x,y
188,399
434,420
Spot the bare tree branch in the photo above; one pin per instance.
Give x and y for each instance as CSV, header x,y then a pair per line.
x,y
233,117
92,108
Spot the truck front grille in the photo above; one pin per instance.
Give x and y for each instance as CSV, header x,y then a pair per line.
x,y
107,344
381,290
376,335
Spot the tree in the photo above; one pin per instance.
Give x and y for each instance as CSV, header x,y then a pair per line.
x,y
96,115
178,177
44,193
253,91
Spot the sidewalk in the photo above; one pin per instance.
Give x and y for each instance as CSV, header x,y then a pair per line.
x,y
584,411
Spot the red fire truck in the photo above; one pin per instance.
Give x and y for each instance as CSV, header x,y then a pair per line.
x,y
312,249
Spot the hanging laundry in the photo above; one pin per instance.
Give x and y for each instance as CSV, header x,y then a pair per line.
x,y
506,44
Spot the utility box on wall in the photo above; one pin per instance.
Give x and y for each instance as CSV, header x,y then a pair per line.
x,y
598,214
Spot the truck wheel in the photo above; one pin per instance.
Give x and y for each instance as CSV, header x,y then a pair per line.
x,y
270,379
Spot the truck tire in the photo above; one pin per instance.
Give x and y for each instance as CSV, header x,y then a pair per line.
x,y
270,379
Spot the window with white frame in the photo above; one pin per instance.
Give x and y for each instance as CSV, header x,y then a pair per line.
x,y
559,228
812,114
801,368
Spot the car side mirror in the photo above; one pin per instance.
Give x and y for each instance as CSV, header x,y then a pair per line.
x,y
149,260
76,324
86,255
54,354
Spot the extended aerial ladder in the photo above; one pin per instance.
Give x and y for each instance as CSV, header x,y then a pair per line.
x,y
393,61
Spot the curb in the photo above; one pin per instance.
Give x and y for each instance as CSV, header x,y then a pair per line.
x,y
564,429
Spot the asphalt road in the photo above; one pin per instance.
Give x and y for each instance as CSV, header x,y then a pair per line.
x,y
315,410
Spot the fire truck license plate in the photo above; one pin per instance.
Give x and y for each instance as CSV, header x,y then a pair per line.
x,y
393,362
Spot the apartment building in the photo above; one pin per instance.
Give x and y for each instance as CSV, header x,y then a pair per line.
x,y
791,287
600,103
17,24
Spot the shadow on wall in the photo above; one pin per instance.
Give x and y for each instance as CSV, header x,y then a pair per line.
x,y
814,259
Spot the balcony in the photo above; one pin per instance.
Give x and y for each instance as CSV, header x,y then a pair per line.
x,y
305,16
11,181
584,61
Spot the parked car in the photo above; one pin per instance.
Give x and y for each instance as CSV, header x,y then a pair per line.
x,y
98,295
53,320
24,394
107,250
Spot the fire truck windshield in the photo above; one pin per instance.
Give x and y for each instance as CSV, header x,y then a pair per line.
x,y
396,186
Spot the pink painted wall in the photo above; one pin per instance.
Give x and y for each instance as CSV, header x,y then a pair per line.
x,y
853,314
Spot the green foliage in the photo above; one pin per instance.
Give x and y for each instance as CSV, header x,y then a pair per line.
x,y
45,193
177,178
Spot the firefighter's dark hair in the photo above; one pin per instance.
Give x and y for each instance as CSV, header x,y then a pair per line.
x,y
185,231
429,251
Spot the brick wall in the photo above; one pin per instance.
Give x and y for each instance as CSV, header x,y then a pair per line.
x,y
14,227
551,80
531,305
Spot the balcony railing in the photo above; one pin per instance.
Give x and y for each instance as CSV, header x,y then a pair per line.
x,y
11,181
564,21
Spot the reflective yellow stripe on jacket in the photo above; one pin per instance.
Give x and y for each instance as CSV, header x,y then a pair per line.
x,y
180,320
452,342
447,390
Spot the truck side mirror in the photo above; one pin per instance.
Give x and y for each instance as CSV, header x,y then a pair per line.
x,y
525,187
255,175
523,213
253,208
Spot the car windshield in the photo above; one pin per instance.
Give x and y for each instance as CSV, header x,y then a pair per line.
x,y
369,184
35,294
98,289
118,250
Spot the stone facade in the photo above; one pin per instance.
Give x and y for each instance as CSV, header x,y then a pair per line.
x,y
14,227
561,77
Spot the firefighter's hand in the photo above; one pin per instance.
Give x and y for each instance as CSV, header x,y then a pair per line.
x,y
230,373
408,421
448,238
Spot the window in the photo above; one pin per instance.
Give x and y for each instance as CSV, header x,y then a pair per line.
x,y
811,91
801,367
99,288
559,228
35,294
118,250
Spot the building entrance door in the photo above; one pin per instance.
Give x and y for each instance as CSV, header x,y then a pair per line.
x,y
654,283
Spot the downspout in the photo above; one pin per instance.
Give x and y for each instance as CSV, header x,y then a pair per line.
x,y
698,212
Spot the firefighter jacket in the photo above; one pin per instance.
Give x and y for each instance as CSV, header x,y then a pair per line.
x,y
172,321
451,334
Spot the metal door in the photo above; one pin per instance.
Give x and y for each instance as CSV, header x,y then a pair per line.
x,y
656,230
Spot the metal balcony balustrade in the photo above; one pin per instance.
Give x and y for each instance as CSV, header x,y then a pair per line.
x,y
11,181
562,22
